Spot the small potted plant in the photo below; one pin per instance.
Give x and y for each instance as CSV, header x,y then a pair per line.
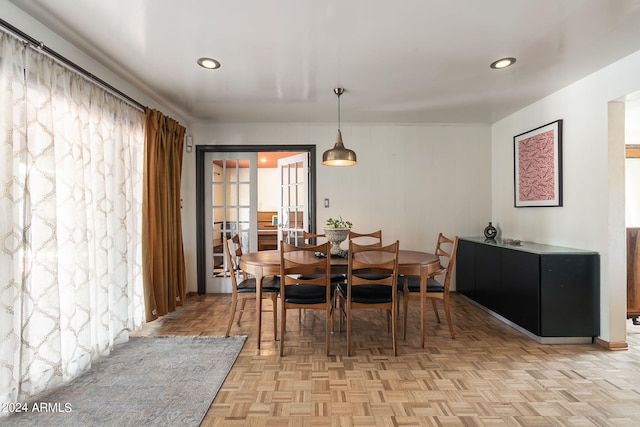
x,y
337,231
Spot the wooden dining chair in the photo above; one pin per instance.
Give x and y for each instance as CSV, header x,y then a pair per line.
x,y
373,239
437,290
367,239
335,278
310,239
244,287
305,282
365,290
307,238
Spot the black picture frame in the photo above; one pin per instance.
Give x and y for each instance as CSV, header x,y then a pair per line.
x,y
537,165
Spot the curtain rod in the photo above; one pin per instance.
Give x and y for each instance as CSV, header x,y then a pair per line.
x,y
40,45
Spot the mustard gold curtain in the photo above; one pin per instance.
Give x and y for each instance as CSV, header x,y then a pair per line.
x,y
163,268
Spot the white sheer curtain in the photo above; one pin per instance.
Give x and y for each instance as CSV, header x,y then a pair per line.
x,y
70,217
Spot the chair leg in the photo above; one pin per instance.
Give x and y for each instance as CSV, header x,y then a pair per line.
x,y
447,313
283,322
274,303
405,313
435,309
334,305
343,314
234,303
328,327
348,330
389,320
394,318
244,301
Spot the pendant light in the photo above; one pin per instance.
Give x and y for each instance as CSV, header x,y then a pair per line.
x,y
338,155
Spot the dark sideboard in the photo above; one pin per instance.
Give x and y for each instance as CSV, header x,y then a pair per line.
x,y
550,293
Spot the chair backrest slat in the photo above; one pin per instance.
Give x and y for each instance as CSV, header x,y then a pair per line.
x,y
373,239
307,237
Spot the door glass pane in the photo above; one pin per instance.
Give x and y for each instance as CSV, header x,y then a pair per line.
x,y
232,194
243,216
244,194
230,207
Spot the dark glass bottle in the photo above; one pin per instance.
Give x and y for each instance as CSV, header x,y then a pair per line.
x,y
490,232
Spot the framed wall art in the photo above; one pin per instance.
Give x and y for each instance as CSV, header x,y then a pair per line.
x,y
537,158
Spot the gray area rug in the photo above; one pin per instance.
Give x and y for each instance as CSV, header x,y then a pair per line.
x,y
148,381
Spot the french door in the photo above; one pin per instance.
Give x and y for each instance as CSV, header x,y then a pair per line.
x,y
293,214
230,209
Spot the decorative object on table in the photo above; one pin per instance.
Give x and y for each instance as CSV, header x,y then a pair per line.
x,y
336,231
342,254
339,155
537,157
514,242
490,232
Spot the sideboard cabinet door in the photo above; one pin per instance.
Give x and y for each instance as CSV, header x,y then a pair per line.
x,y
521,287
488,278
570,300
465,269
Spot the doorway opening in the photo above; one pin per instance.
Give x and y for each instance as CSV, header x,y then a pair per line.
x,y
252,191
632,204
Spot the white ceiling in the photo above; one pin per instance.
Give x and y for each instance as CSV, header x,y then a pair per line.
x,y
403,61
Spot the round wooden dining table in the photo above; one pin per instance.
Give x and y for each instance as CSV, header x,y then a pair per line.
x,y
410,263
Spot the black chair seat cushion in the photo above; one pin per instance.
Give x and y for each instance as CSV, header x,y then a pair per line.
x,y
306,294
367,294
269,284
432,285
368,274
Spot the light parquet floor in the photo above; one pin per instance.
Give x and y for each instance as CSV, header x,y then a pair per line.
x,y
490,375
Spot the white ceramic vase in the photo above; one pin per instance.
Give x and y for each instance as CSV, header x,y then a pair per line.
x,y
336,236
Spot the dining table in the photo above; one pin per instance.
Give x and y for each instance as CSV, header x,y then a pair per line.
x,y
267,263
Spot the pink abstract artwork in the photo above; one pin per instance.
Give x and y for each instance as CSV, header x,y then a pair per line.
x,y
536,165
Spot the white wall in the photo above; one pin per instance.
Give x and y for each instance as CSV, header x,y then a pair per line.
x,y
268,186
410,181
593,169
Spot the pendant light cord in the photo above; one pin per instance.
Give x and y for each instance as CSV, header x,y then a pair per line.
x,y
338,91
338,112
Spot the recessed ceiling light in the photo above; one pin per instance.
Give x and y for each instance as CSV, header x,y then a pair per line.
x,y
208,63
502,63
